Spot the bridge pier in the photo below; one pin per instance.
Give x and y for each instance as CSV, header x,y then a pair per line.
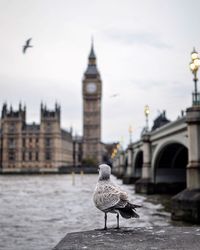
x,y
186,204
120,171
116,166
145,184
128,177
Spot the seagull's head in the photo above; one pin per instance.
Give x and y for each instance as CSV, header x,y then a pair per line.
x,y
104,172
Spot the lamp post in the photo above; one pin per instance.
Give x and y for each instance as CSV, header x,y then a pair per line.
x,y
146,113
194,66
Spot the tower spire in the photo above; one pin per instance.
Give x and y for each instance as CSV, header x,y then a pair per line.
x,y
92,56
92,70
92,41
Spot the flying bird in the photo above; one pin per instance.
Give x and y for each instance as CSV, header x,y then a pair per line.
x,y
109,198
27,45
114,95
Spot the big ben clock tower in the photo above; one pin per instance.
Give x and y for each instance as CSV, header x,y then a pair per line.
x,y
92,92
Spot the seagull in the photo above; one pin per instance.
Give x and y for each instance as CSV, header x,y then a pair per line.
x,y
27,45
109,198
114,95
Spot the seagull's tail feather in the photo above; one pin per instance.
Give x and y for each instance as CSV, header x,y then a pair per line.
x,y
134,206
128,211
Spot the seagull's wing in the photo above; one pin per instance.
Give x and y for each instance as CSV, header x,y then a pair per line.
x,y
123,194
28,41
24,49
109,196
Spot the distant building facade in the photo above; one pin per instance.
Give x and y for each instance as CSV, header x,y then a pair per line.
x,y
92,94
43,147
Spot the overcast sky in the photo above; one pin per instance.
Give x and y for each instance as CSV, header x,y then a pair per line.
x,y
142,47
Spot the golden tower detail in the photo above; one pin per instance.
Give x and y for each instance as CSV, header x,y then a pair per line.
x,y
92,93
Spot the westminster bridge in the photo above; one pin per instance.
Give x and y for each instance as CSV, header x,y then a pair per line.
x,y
167,160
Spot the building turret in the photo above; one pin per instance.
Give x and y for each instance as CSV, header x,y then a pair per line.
x,y
14,114
4,110
47,114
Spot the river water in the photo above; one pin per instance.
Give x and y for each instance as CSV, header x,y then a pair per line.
x,y
37,211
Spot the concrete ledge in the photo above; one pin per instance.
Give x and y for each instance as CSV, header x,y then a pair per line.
x,y
28,171
172,238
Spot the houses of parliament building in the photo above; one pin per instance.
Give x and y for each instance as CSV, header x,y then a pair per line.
x,y
33,147
46,146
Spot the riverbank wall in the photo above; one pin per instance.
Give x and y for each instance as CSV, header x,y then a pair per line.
x,y
60,170
148,238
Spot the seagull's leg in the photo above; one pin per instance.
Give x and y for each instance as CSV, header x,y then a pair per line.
x,y
105,227
117,221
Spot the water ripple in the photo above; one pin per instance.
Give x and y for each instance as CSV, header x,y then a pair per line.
x,y
37,211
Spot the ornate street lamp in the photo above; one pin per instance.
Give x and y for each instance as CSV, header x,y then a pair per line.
x,y
146,113
194,66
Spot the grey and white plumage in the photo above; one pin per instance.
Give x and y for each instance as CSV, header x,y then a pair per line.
x,y
109,198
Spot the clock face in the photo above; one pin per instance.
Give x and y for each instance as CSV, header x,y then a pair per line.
x,y
91,87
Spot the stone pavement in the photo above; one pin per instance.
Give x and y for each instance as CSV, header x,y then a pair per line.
x,y
148,238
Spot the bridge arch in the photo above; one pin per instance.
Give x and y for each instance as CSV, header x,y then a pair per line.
x,y
169,163
138,162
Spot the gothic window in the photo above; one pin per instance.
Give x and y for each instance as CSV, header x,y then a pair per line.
x,y
30,156
48,127
48,155
12,127
37,156
11,143
11,155
23,156
24,142
48,142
